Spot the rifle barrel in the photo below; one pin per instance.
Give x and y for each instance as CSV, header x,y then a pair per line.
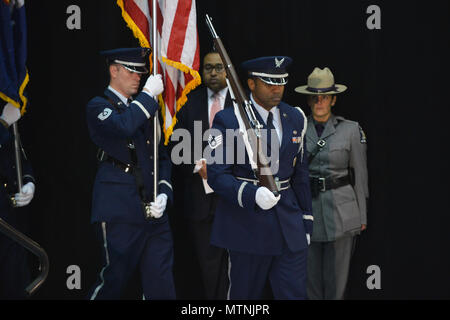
x,y
252,125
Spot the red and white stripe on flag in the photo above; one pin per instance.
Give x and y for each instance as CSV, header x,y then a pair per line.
x,y
178,46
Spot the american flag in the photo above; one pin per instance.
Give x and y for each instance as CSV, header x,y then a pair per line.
x,y
179,49
13,53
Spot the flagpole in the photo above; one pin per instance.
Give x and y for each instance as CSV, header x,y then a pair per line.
x,y
17,156
155,119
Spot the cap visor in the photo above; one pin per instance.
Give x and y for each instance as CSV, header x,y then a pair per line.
x,y
274,81
136,69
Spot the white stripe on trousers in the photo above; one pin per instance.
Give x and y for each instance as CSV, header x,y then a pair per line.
x,y
107,262
229,276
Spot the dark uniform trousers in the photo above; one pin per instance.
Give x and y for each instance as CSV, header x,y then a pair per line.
x,y
130,247
328,268
249,273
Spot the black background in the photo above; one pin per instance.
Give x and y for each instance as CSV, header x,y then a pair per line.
x,y
398,92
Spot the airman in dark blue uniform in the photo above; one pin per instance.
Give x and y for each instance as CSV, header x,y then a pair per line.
x,y
135,232
266,236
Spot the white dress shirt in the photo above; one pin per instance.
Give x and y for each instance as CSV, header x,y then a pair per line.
x,y
121,97
222,95
276,117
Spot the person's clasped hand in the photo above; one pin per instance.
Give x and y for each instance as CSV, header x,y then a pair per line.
x,y
158,206
25,196
10,114
265,198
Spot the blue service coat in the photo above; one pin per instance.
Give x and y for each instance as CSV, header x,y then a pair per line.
x,y
115,194
240,224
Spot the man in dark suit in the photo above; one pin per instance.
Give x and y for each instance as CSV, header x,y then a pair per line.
x,y
135,232
193,199
267,236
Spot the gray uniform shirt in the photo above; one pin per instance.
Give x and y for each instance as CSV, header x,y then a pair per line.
x,y
339,212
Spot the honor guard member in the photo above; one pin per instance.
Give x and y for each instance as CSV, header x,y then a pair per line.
x,y
133,237
266,236
14,269
338,178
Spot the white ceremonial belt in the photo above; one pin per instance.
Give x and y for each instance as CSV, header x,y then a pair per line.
x,y
281,184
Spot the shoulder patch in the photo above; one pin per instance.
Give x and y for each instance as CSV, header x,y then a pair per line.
x,y
104,114
214,142
362,135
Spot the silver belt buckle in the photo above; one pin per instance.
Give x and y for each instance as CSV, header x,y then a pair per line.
x,y
13,201
148,213
322,184
278,183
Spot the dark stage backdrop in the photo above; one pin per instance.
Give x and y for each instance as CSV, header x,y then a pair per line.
x,y
398,91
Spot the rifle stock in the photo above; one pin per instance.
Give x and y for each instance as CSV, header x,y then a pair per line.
x,y
252,126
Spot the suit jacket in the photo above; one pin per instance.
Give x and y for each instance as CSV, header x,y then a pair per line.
x,y
240,224
115,194
341,211
191,200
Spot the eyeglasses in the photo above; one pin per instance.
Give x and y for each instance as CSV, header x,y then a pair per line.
x,y
209,68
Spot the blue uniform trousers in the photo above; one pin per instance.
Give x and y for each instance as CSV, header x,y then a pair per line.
x,y
286,273
131,247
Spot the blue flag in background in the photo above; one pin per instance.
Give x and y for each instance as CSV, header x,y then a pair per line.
x,y
13,52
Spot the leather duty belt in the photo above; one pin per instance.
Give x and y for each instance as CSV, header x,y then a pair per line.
x,y
281,184
320,184
102,156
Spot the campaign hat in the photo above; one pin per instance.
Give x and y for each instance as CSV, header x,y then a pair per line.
x,y
321,81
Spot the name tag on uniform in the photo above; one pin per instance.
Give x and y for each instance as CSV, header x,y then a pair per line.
x,y
296,139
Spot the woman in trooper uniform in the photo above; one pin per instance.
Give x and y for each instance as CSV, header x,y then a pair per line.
x,y
338,178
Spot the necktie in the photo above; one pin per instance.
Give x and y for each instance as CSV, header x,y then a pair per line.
x,y
319,129
215,107
129,100
271,127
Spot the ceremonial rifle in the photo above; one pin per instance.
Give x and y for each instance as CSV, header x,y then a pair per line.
x,y
251,123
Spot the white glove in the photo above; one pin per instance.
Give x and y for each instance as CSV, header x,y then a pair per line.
x,y
154,85
10,114
24,197
308,238
157,208
265,198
